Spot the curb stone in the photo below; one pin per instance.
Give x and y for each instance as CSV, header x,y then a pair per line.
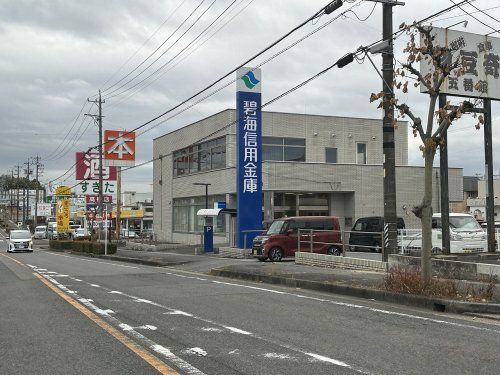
x,y
118,258
436,304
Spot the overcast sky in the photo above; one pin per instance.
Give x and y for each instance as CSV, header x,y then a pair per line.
x,y
57,53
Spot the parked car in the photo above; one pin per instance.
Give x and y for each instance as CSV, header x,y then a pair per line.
x,y
366,233
52,231
466,236
281,239
40,232
80,232
20,240
147,233
127,233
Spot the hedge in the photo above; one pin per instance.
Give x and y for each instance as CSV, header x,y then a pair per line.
x,y
82,246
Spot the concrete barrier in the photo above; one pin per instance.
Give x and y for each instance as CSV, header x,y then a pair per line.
x,y
331,261
447,268
233,252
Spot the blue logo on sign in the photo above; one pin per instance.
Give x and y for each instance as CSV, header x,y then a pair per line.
x,y
250,80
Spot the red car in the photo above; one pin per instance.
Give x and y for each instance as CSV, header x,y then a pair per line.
x,y
281,239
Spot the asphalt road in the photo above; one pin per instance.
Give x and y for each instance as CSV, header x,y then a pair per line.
x,y
63,314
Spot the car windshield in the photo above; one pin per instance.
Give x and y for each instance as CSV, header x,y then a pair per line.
x,y
20,235
80,231
276,227
40,229
464,223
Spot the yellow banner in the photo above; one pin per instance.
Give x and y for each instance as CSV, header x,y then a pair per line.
x,y
63,190
62,215
127,214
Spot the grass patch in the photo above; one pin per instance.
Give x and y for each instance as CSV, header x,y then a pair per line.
x,y
410,282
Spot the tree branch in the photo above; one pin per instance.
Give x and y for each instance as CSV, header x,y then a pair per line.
x,y
417,122
415,72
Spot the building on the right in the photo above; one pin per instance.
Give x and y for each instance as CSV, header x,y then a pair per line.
x,y
477,205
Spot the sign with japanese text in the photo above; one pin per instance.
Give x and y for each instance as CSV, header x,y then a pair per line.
x,y
87,167
127,214
94,199
62,191
249,154
62,215
479,57
92,187
119,148
44,209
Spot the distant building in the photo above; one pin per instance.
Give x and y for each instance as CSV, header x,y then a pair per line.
x,y
312,165
137,211
470,191
477,205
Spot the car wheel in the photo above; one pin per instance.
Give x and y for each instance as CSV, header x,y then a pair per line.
x,y
334,250
262,259
275,254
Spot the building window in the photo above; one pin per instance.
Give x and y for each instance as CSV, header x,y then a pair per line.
x,y
331,155
360,153
283,149
186,220
201,157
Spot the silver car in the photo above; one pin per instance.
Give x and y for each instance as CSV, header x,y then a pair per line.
x,y
20,240
41,232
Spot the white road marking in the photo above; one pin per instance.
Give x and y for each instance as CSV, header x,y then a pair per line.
x,y
327,359
95,285
211,329
362,307
280,356
177,312
195,351
115,292
235,351
237,330
178,362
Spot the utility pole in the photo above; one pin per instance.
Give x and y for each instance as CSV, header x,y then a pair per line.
x,y
99,102
26,195
390,211
17,194
38,166
118,201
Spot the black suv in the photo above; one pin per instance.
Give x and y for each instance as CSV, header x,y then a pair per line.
x,y
367,231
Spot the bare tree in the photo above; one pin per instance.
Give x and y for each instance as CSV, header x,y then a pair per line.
x,y
432,131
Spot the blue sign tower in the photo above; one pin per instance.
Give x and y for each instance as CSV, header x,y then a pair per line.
x,y
249,154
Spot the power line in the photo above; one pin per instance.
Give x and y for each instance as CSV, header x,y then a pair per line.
x,y
179,53
108,95
460,15
482,11
477,19
145,42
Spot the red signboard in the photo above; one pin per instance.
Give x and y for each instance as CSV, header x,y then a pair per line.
x,y
119,148
87,168
94,199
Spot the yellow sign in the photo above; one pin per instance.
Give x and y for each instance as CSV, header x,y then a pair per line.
x,y
62,215
127,214
63,190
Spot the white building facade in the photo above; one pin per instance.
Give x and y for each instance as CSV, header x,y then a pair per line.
x,y
312,165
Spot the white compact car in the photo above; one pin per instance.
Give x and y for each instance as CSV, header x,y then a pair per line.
x,y
40,232
20,240
466,236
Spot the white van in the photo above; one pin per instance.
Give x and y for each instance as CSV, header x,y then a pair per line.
x,y
466,236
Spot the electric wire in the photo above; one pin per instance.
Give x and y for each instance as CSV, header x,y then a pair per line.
x,y
477,19
144,43
108,94
184,57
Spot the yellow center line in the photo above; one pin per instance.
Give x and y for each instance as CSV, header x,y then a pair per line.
x,y
142,353
152,360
